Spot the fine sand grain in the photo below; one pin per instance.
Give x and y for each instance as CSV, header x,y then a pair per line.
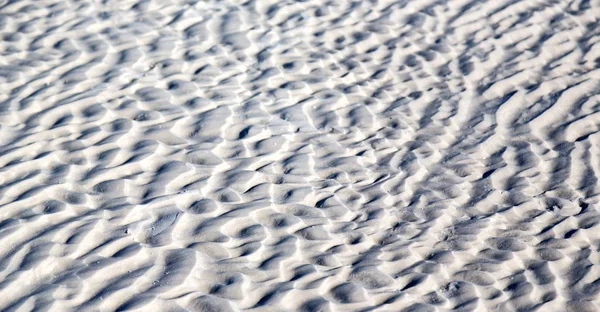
x,y
308,155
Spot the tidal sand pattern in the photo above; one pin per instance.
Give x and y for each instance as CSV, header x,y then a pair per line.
x,y
316,155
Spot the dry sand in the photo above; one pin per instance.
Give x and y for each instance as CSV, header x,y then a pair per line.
x,y
424,155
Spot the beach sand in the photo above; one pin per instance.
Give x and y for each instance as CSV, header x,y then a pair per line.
x,y
424,155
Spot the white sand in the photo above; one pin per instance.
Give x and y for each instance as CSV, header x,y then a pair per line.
x,y
299,155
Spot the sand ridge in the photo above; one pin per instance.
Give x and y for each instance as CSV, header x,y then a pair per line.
x,y
299,155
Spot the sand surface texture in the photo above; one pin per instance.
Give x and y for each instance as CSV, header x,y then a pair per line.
x,y
299,155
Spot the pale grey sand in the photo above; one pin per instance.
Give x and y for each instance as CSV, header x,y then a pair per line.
x,y
411,155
